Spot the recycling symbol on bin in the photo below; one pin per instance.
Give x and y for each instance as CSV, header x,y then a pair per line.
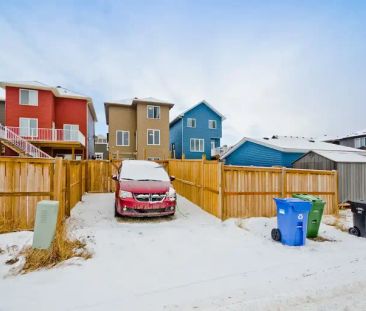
x,y
300,217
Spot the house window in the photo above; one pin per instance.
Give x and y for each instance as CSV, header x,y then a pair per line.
x,y
28,127
71,132
153,137
212,124
122,138
28,97
360,142
191,122
153,112
99,155
197,145
153,158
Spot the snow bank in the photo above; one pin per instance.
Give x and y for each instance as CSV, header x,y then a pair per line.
x,y
190,261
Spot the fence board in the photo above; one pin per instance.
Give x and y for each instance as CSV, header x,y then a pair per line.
x,y
239,191
27,181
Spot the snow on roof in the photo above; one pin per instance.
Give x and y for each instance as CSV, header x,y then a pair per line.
x,y
142,170
343,156
354,134
130,101
58,91
189,109
291,144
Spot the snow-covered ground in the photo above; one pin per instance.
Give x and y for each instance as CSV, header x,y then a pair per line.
x,y
191,261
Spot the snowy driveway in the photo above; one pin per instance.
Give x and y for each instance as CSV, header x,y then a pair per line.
x,y
192,261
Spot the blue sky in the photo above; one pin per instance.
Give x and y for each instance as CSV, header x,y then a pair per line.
x,y
272,67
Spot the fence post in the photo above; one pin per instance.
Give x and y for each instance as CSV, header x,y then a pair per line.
x,y
57,188
220,198
86,176
336,198
283,182
202,181
68,189
80,164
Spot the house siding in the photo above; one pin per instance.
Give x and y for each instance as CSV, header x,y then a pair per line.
x,y
60,110
91,134
351,181
103,149
2,112
348,142
314,161
176,138
202,113
71,111
252,154
351,176
44,112
134,119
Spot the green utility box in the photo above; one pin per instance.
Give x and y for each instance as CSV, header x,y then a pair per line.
x,y
315,214
45,224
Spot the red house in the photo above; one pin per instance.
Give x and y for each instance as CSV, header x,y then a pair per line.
x,y
57,121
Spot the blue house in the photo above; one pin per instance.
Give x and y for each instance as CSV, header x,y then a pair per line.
x,y
196,131
275,151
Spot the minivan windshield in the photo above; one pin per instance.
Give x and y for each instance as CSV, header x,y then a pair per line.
x,y
143,171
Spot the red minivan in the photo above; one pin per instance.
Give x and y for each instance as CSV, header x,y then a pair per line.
x,y
144,189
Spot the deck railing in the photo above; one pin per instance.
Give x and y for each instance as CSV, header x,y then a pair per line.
x,y
22,144
48,134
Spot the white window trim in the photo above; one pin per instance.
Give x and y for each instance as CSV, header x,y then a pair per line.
x,y
20,97
122,131
209,125
99,154
190,145
147,137
147,112
195,123
20,127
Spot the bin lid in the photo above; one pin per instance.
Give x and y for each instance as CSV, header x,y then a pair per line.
x,y
288,200
306,197
359,203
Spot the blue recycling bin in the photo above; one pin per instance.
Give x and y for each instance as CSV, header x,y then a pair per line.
x,y
292,220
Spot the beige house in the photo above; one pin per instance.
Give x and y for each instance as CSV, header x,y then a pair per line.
x,y
138,128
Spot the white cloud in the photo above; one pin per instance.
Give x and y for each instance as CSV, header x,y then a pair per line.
x,y
265,83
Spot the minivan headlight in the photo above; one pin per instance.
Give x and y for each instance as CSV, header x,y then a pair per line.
x,y
125,194
171,194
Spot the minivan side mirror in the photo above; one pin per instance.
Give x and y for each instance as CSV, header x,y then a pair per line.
x,y
115,177
172,178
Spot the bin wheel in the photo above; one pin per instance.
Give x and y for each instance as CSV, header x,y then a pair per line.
x,y
276,234
354,231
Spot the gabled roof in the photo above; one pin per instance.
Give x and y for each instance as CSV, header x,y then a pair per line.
x,y
58,91
340,156
201,102
129,102
291,144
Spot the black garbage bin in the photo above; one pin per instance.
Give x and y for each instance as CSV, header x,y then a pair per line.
x,y
359,218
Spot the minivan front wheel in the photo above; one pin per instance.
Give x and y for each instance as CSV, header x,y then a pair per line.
x,y
115,209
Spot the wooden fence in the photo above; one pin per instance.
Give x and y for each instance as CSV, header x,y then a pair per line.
x,y
223,191
236,191
25,181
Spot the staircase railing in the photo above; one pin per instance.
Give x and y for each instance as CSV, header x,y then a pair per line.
x,y
22,144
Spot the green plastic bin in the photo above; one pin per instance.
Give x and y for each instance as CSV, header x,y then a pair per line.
x,y
315,214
